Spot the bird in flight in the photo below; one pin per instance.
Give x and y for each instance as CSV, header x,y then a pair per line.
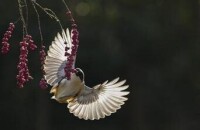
x,y
89,103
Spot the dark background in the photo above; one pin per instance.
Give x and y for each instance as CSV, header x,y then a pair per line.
x,y
154,44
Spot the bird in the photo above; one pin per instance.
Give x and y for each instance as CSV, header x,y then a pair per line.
x,y
88,103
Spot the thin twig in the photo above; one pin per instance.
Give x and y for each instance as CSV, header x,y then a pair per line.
x,y
16,21
50,13
26,7
39,25
66,5
22,17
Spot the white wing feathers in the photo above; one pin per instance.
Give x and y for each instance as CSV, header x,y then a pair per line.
x,y
90,103
99,101
55,60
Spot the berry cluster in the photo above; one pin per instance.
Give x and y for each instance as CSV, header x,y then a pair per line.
x,y
31,43
43,83
69,64
5,45
23,71
75,43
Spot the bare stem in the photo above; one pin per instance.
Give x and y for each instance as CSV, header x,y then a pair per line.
x,y
26,7
66,5
39,25
22,17
17,20
49,12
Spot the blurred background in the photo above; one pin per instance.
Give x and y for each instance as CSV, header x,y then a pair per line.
x,y
154,44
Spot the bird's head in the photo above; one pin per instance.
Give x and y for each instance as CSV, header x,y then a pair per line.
x,y
80,74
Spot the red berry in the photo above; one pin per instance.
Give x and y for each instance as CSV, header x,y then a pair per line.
x,y
74,25
68,13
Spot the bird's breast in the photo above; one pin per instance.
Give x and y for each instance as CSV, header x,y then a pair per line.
x,y
68,88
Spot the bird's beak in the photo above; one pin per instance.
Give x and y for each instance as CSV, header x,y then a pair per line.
x,y
53,90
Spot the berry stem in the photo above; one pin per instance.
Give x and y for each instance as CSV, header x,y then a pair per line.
x,y
39,25
50,13
20,2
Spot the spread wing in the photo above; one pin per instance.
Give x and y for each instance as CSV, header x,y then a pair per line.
x,y
99,101
56,60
